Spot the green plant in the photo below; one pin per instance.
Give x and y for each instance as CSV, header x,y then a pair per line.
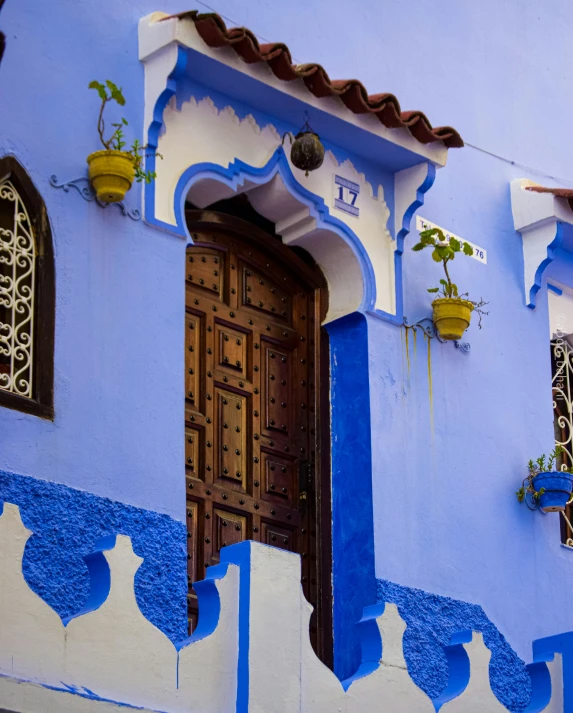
x,y
444,250
116,142
543,464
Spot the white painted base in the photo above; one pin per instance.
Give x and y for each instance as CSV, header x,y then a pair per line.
x,y
249,660
17,696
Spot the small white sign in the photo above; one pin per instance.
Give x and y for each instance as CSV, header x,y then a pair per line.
x,y
346,195
479,253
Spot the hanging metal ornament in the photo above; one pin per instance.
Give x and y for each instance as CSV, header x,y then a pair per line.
x,y
307,152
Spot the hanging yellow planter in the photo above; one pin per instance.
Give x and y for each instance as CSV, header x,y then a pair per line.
x,y
111,174
452,316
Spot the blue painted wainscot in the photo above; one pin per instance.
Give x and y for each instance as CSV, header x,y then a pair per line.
x,y
67,524
431,621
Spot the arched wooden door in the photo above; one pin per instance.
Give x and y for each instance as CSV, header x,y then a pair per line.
x,y
256,404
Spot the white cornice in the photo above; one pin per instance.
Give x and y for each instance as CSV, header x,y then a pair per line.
x,y
156,34
530,209
539,217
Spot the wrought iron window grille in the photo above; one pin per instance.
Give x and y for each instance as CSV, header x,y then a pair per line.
x,y
17,292
27,297
562,392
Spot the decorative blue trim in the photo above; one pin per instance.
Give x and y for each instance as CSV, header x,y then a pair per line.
x,y
239,171
370,643
82,692
458,668
432,620
84,187
544,649
100,577
458,665
552,248
209,603
240,554
555,289
355,582
399,319
425,186
69,524
427,183
177,73
395,319
541,687
353,573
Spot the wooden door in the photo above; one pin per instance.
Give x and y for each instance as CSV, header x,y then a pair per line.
x,y
254,436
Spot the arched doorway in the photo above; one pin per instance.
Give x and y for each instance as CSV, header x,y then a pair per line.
x,y
257,405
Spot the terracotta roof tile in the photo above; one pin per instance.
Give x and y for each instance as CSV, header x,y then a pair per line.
x,y
385,107
557,192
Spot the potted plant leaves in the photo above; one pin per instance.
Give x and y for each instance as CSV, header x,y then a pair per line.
x,y
545,487
113,169
451,310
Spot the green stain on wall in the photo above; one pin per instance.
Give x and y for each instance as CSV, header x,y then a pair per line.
x,y
408,354
412,362
430,392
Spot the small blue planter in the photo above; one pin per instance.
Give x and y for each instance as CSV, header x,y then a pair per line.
x,y
558,487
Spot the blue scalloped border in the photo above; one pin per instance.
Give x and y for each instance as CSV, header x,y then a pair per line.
x,y
238,170
69,525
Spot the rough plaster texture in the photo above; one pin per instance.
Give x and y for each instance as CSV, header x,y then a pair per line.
x,y
110,651
241,658
431,621
67,523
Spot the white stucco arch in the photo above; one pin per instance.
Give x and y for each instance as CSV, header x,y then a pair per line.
x,y
298,222
203,119
214,153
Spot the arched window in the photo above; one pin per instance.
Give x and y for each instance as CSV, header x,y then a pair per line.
x,y
26,295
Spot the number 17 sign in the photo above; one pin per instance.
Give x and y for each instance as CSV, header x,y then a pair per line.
x,y
346,195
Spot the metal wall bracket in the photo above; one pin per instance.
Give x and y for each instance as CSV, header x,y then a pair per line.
x,y
83,186
428,327
569,541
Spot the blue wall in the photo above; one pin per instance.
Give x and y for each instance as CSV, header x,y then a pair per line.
x,y
67,523
451,432
353,577
118,430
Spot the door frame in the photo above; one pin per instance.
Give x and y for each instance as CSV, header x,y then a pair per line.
x,y
310,274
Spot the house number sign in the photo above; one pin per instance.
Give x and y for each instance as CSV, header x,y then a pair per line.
x,y
479,253
346,195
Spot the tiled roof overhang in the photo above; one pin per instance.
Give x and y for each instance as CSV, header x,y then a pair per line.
x,y
385,107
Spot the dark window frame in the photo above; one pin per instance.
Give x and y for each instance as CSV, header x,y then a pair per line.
x,y
42,402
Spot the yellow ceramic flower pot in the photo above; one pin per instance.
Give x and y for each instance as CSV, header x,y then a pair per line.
x,y
452,316
111,174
